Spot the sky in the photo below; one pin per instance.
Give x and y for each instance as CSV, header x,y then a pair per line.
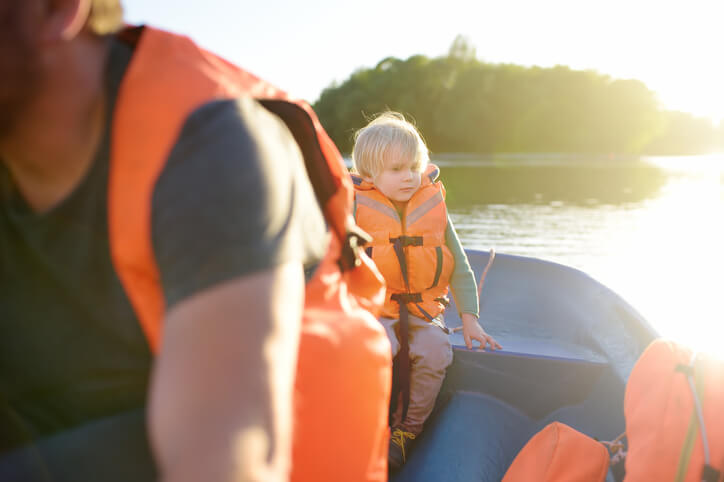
x,y
673,46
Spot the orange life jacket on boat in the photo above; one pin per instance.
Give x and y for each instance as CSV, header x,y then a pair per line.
x,y
674,408
559,453
410,252
343,352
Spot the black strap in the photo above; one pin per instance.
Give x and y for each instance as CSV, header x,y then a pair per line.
x,y
405,241
438,269
401,367
302,128
401,363
404,359
404,298
397,246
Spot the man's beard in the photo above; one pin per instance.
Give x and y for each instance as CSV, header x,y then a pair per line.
x,y
19,63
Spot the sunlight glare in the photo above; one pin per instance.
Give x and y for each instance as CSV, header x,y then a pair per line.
x,y
683,294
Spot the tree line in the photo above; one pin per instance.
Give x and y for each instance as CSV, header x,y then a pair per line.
x,y
462,104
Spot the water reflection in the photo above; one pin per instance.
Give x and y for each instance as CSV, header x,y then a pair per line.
x,y
653,231
584,184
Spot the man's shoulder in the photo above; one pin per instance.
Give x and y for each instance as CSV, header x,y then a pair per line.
x,y
241,115
234,136
232,199
231,146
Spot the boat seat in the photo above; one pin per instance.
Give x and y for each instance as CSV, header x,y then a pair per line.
x,y
475,437
491,404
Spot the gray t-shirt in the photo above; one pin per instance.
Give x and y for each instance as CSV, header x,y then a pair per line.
x,y
233,199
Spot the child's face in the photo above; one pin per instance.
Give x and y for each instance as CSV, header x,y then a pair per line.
x,y
398,180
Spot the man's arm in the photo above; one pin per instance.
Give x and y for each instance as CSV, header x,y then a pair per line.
x,y
221,392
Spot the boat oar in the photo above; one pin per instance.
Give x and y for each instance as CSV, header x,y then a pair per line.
x,y
491,257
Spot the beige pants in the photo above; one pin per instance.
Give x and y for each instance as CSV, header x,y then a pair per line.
x,y
430,354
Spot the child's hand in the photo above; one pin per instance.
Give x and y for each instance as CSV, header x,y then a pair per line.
x,y
473,331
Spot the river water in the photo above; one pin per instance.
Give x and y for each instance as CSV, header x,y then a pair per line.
x,y
650,229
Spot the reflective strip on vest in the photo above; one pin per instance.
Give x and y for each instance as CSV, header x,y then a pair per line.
x,y
379,207
423,209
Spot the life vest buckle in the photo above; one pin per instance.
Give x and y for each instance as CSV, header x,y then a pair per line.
x,y
443,300
355,239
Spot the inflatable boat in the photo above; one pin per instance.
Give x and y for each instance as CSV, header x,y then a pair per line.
x,y
569,344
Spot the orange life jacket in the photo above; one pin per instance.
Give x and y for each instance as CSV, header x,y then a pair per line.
x,y
674,408
559,453
410,252
342,385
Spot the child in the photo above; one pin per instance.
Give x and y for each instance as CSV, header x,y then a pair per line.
x,y
401,205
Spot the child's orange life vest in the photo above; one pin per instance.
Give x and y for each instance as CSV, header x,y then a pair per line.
x,y
342,386
674,408
410,251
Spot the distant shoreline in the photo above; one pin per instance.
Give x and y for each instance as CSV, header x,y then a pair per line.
x,y
559,159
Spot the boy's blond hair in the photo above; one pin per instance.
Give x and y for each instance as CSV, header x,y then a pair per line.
x,y
387,138
106,16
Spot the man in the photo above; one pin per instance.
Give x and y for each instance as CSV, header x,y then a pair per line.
x,y
233,223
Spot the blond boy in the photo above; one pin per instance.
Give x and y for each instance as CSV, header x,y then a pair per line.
x,y
400,203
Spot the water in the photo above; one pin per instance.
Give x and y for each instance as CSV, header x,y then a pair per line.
x,y
651,229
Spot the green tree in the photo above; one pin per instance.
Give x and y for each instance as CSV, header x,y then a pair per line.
x,y
461,49
462,104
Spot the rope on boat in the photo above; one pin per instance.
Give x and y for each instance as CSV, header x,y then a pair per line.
x,y
491,257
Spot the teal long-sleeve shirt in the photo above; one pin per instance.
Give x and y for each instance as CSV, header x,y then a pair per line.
x,y
462,281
